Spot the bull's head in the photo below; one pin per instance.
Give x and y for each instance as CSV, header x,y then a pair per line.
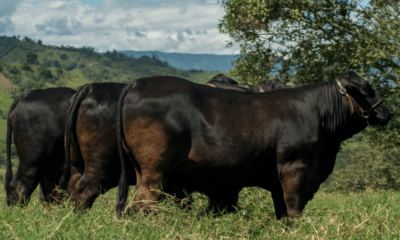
x,y
366,101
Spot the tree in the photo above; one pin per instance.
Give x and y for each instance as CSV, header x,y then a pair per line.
x,y
40,42
27,39
154,56
63,56
45,72
319,41
105,61
26,67
31,57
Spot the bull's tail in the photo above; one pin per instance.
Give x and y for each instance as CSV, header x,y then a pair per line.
x,y
9,173
74,105
123,189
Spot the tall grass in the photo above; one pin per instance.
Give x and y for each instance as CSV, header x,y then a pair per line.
x,y
367,215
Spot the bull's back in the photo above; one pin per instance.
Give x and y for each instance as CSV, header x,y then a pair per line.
x,y
38,121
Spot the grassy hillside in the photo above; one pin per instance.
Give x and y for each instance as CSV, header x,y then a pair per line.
x,y
368,215
85,63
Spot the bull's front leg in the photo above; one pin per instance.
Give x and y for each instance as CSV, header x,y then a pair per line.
x,y
279,204
293,176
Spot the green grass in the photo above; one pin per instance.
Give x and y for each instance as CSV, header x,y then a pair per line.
x,y
5,103
368,215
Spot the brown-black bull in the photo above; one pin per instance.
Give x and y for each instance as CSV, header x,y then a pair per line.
x,y
216,141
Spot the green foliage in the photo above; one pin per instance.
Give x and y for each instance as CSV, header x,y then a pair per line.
x,y
367,168
70,66
63,56
27,39
45,72
56,64
3,115
2,160
14,70
40,42
105,61
59,71
26,67
321,40
31,57
1,68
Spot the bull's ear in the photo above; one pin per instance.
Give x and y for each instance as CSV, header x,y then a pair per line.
x,y
348,82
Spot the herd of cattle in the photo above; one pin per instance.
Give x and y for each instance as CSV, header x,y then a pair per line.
x,y
182,137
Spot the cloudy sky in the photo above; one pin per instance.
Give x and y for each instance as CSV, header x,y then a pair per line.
x,y
186,26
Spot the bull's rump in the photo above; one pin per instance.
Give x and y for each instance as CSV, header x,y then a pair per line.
x,y
206,135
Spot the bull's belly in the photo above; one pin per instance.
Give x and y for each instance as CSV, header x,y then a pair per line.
x,y
206,176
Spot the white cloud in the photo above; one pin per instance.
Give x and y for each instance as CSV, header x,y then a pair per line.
x,y
170,26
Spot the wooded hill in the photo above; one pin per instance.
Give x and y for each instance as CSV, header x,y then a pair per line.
x,y
73,67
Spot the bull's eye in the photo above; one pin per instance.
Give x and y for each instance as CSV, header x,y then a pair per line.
x,y
367,90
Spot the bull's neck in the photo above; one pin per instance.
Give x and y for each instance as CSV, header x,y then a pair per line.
x,y
337,119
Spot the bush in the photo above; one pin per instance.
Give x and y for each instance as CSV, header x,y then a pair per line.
x,y
2,162
47,63
1,68
59,71
70,67
105,61
45,72
372,168
3,115
196,71
31,57
56,64
26,67
63,56
14,70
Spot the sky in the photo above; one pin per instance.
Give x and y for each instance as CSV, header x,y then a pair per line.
x,y
185,26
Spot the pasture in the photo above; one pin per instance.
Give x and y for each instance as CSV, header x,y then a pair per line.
x,y
367,215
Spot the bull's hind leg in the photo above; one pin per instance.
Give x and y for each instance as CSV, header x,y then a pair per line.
x,y
50,180
77,166
97,179
86,190
156,153
149,187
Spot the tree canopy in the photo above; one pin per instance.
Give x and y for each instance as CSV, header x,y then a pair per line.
x,y
319,41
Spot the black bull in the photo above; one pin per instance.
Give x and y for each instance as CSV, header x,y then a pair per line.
x,y
216,142
92,163
37,121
